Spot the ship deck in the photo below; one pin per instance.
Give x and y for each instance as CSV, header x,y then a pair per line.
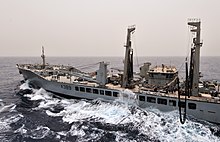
x,y
137,89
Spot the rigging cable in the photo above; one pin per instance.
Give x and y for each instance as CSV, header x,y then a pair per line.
x,y
87,66
182,104
134,44
189,46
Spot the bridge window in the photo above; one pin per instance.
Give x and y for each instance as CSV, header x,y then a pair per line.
x,y
151,99
191,106
142,98
95,91
172,103
162,101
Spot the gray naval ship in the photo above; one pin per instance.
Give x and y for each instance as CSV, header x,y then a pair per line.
x,y
158,87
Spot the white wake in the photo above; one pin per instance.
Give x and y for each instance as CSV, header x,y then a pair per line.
x,y
150,122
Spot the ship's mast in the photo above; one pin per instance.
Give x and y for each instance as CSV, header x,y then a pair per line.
x,y
195,57
43,58
128,61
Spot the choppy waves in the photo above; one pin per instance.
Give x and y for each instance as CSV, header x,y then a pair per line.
x,y
41,116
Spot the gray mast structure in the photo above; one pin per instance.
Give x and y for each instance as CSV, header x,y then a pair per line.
x,y
195,56
43,58
128,61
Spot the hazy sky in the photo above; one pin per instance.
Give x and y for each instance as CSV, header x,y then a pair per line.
x,y
98,27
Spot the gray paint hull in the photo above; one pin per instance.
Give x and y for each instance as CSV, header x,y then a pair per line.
x,y
209,111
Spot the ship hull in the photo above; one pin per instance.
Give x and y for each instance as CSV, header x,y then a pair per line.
x,y
208,111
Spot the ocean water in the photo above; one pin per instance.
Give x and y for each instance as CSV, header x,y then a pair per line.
x,y
38,115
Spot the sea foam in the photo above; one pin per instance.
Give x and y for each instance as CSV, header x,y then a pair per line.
x,y
150,122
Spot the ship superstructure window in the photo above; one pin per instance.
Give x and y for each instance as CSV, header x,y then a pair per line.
x,y
108,93
82,89
142,98
101,92
115,94
162,101
169,76
67,87
172,103
182,104
50,73
95,91
77,88
191,106
151,99
89,90
211,112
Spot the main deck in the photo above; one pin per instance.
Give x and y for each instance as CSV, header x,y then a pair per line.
x,y
64,74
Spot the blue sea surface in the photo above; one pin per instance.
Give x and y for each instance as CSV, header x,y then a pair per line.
x,y
39,116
